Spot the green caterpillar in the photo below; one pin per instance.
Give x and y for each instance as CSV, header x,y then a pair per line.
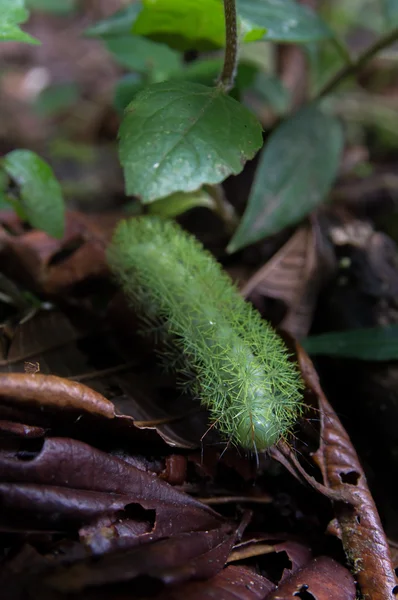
x,y
229,356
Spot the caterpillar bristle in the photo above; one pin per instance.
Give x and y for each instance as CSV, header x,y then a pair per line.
x,y
238,366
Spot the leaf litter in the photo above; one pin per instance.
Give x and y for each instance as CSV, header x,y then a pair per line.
x,y
115,496
84,476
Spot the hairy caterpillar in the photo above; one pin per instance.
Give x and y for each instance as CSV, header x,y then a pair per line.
x,y
242,371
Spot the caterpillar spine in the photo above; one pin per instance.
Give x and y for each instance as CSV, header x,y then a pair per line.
x,y
242,371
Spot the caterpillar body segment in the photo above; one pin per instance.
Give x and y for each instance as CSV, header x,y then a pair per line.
x,y
238,366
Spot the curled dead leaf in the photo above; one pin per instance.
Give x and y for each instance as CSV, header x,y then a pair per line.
x,y
361,530
54,392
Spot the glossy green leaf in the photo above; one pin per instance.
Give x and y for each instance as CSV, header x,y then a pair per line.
x,y
142,55
193,19
189,24
391,12
177,136
294,175
374,343
179,203
284,20
207,71
40,193
12,14
204,71
120,23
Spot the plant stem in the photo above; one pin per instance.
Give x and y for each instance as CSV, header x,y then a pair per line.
x,y
227,77
223,208
359,63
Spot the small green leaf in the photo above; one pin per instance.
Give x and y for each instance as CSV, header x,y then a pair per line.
x,y
56,98
142,55
40,193
204,71
391,12
125,90
207,71
3,187
294,175
195,20
283,20
177,136
190,24
57,7
179,203
373,343
120,23
12,13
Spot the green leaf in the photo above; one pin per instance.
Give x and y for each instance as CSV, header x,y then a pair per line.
x,y
57,7
120,23
12,13
142,55
179,203
190,24
125,90
294,175
3,187
272,91
204,71
195,20
56,98
207,71
373,343
391,12
284,20
176,136
40,193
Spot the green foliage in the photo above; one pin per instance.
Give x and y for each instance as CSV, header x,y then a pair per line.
x,y
57,7
203,71
272,91
391,12
294,175
284,20
56,98
232,359
120,23
374,343
125,90
193,20
40,199
12,14
179,203
139,54
177,136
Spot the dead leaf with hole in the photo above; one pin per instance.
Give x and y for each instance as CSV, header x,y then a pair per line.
x,y
345,483
322,579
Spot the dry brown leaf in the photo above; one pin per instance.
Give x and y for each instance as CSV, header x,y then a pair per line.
x,y
294,276
35,259
55,392
362,533
323,578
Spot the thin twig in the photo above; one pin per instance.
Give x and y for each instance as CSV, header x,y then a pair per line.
x,y
359,63
227,77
